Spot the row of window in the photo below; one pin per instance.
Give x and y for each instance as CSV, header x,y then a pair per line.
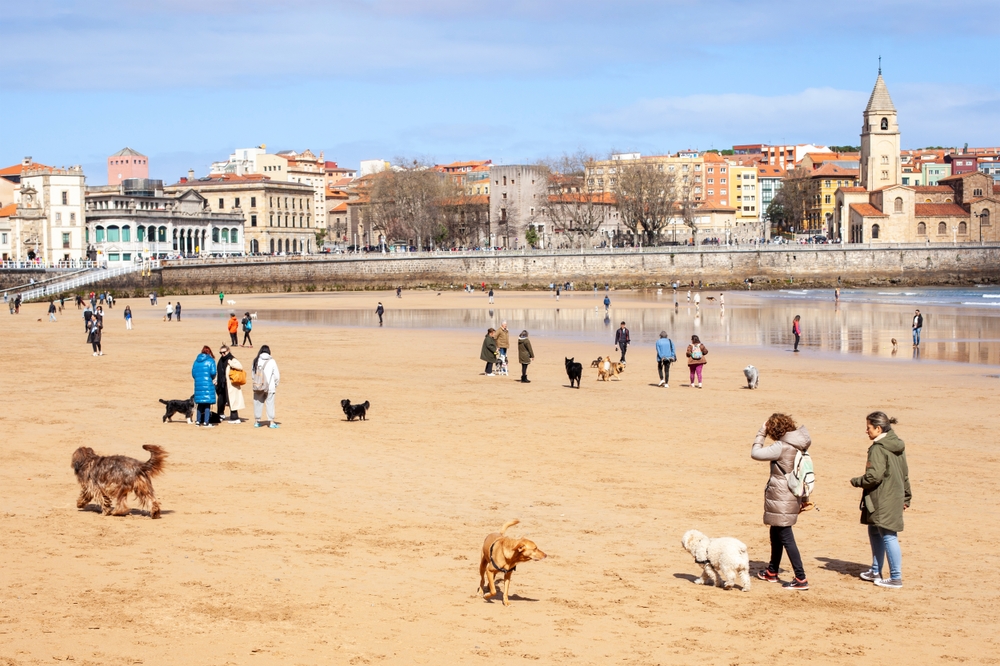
x,y
116,234
303,221
72,218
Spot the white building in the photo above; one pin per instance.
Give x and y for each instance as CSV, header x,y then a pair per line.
x,y
47,224
243,160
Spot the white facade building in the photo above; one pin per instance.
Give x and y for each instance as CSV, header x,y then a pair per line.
x,y
48,222
243,160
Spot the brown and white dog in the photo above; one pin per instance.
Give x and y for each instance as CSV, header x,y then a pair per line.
x,y
112,478
502,554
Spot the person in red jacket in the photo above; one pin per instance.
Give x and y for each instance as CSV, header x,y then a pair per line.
x,y
796,331
234,327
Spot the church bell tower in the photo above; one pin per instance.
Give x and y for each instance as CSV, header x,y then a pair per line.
x,y
880,165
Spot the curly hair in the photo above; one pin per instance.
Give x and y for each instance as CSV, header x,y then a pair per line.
x,y
778,425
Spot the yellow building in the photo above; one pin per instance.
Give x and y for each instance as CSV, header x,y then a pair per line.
x,y
821,201
745,193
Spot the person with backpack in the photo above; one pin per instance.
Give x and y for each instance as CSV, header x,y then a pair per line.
x,y
665,355
265,384
203,371
696,358
885,496
607,301
781,505
247,327
229,385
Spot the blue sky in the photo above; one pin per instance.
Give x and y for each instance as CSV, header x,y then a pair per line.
x,y
187,81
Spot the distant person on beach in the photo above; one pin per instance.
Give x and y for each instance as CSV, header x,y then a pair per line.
x,y
796,331
503,340
247,327
665,355
622,340
557,293
491,295
267,366
152,298
885,496
222,295
607,304
689,296
94,335
781,507
918,323
233,326
52,310
128,317
697,300
203,371
525,355
229,394
177,310
696,353
836,295
489,351
380,311
87,316
170,311
399,292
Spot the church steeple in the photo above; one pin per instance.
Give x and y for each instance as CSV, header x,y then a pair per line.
x,y
880,165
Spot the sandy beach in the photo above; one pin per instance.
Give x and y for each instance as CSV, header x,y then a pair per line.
x,y
328,542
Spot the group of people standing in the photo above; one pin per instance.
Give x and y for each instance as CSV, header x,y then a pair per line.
x,y
495,346
221,383
885,495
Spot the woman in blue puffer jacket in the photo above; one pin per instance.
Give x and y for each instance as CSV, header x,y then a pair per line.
x,y
204,371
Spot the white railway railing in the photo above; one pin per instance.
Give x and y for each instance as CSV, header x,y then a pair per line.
x,y
60,286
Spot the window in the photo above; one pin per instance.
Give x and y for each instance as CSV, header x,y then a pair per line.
x,y
874,231
65,241
885,175
286,202
72,218
215,235
222,204
978,192
140,234
99,234
113,234
711,180
253,220
898,205
161,235
885,124
984,218
885,159
65,197
921,229
127,256
126,234
711,192
723,193
942,228
114,256
271,201
253,202
963,228
233,235
826,183
58,218
722,180
271,223
826,199
236,204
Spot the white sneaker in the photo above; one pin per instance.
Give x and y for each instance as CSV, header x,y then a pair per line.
x,y
661,383
666,386
95,353
699,384
490,375
870,576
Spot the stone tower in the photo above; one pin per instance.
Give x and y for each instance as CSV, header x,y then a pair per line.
x,y
880,165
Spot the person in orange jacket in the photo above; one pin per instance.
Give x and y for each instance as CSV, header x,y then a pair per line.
x,y
234,327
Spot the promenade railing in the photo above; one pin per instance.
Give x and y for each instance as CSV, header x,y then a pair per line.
x,y
60,286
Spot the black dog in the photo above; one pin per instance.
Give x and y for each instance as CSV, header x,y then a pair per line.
x,y
575,371
185,407
353,411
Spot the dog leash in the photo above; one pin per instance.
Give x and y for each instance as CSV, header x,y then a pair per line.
x,y
493,562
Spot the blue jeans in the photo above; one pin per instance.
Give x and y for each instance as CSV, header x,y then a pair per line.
x,y
203,413
916,336
885,544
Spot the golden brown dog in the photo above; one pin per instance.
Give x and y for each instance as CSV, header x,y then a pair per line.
x,y
112,478
502,554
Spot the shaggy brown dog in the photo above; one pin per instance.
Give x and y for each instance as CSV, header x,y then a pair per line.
x,y
502,554
112,478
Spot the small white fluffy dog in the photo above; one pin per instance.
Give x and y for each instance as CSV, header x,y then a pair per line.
x,y
723,559
752,376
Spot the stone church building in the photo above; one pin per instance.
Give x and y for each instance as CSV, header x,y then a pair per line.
x,y
959,209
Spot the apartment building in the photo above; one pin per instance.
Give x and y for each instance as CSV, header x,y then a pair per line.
x,y
788,156
47,220
822,189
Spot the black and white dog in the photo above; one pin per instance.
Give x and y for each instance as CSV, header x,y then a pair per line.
x,y
752,376
355,411
185,407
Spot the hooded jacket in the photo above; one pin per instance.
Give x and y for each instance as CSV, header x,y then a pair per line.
x,y
525,354
885,483
781,507
204,371
266,364
489,351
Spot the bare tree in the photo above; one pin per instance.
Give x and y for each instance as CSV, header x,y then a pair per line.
x,y
406,202
789,206
646,195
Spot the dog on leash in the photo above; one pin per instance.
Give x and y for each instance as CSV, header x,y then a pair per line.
x,y
502,554
574,370
722,559
112,478
355,411
185,407
753,377
501,366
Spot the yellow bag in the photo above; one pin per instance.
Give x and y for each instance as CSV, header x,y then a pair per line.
x,y
237,377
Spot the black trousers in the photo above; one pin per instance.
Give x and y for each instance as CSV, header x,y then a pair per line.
x,y
524,371
623,346
489,367
783,539
663,367
797,338
234,338
246,337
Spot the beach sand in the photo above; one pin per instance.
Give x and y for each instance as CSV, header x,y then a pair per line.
x,y
327,542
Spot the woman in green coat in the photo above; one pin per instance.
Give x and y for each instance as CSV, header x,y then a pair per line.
x,y
525,355
886,494
489,351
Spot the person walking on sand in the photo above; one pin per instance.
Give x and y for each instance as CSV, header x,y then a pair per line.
x,y
380,311
689,297
269,376
489,351
128,317
229,393
177,310
665,355
696,353
88,314
797,332
170,311
607,304
233,326
885,496
52,310
836,295
491,295
94,335
622,340
781,507
222,295
247,327
525,355
918,323
399,292
697,300
203,371
503,340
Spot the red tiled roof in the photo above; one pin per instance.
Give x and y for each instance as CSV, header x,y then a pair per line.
x,y
867,210
853,189
958,176
581,197
17,168
339,208
8,210
834,171
940,210
769,170
933,189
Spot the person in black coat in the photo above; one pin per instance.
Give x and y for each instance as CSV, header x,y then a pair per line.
x,y
622,340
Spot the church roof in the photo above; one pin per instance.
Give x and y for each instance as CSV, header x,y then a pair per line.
x,y
127,151
880,100
8,210
940,210
867,210
933,189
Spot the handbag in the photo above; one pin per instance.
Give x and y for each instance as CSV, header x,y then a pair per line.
x,y
237,377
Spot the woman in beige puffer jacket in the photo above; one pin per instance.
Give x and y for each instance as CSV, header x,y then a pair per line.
x,y
781,507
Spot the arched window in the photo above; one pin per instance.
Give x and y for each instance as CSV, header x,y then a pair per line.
x,y
99,234
225,235
286,246
113,234
295,246
215,234
898,205
161,234
874,232
126,234
942,228
254,246
963,228
921,229
984,218
140,234
272,246
234,236
885,124
948,200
